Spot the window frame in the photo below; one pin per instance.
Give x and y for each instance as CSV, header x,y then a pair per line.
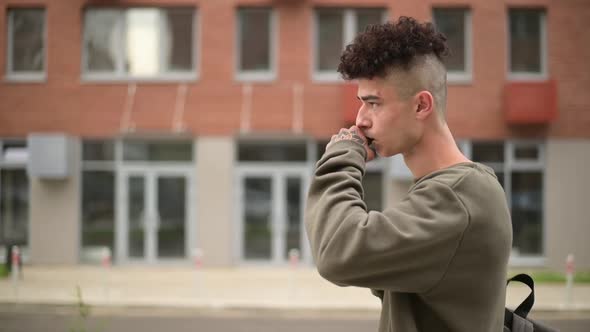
x,y
9,166
89,165
129,143
349,28
24,76
257,75
263,140
509,166
512,165
13,164
528,76
118,166
119,74
381,165
465,76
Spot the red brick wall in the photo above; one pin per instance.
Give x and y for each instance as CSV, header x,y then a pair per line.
x,y
214,102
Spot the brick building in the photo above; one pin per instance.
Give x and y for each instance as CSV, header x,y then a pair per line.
x,y
156,127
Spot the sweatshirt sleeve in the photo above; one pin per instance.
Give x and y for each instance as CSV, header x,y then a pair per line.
x,y
406,248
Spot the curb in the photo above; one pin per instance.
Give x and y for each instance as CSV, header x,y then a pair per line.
x,y
244,306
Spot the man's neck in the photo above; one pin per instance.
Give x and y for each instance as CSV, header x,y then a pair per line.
x,y
436,150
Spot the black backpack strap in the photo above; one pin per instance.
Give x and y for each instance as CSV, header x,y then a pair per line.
x,y
508,318
525,307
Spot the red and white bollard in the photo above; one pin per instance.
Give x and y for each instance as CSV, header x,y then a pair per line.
x,y
15,269
106,259
106,262
569,281
294,257
198,263
198,258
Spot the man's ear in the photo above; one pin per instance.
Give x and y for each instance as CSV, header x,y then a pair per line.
x,y
424,103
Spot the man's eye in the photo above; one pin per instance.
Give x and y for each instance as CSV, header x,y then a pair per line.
x,y
373,105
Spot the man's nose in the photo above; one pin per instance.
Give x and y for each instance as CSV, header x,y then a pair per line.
x,y
362,121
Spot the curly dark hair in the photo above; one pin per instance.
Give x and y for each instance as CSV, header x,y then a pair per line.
x,y
392,44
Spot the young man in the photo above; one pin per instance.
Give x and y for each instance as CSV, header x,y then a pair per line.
x,y
438,259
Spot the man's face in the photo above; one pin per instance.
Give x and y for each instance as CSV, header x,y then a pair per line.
x,y
385,118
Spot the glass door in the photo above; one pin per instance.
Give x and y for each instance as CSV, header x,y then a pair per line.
x,y
136,216
271,215
155,212
172,216
293,229
257,214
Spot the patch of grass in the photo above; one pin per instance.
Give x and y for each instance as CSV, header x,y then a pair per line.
x,y
582,277
3,271
548,276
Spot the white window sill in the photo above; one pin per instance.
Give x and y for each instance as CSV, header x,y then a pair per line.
x,y
527,77
526,261
452,78
256,76
26,78
167,78
459,78
12,165
327,77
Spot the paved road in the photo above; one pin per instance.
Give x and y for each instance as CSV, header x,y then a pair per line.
x,y
64,319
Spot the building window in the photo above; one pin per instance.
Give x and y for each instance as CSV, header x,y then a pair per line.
x,y
527,211
520,168
267,151
14,197
488,152
256,44
98,199
334,29
139,43
26,43
158,151
455,24
527,47
373,189
14,207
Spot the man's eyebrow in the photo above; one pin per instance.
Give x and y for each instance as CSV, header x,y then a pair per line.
x,y
369,98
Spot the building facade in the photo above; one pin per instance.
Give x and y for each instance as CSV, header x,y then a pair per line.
x,y
162,130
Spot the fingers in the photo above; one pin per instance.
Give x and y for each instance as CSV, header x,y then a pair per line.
x,y
332,140
356,135
371,153
355,129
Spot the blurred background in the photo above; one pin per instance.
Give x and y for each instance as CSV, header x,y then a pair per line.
x,y
171,133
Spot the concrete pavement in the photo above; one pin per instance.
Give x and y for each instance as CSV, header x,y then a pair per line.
x,y
233,288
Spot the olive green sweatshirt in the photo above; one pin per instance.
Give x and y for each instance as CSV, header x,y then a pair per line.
x,y
437,259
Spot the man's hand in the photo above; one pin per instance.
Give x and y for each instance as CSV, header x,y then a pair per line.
x,y
353,134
